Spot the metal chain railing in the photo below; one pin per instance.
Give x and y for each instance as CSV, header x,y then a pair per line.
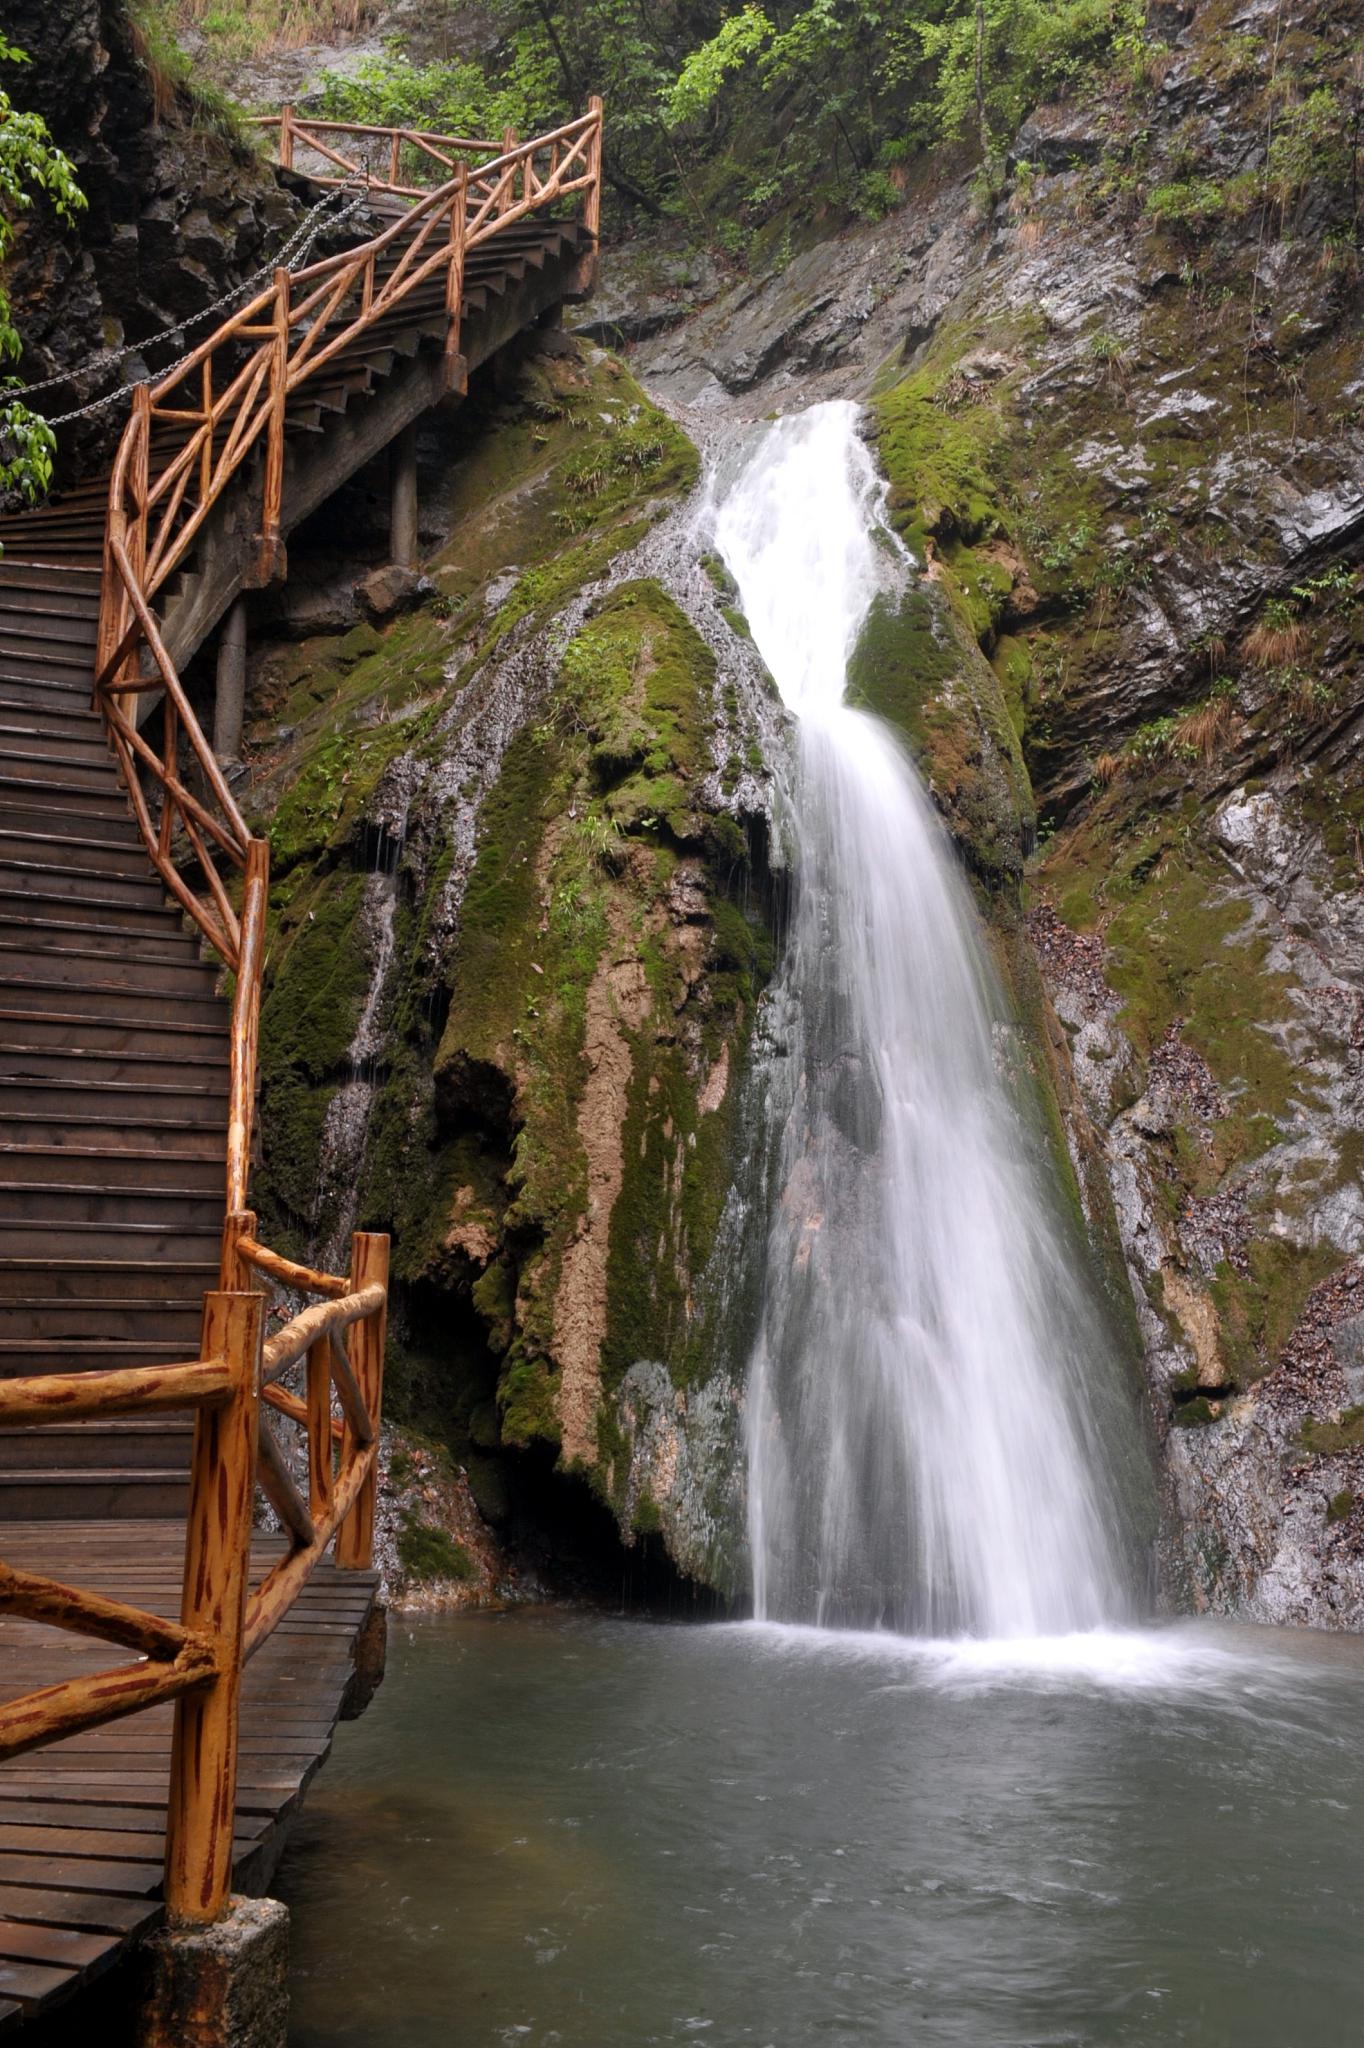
x,y
292,257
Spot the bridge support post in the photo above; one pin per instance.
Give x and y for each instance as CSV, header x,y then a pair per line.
x,y
203,1774
229,705
402,524
224,1986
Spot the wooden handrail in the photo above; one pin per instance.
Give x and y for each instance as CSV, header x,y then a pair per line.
x,y
188,437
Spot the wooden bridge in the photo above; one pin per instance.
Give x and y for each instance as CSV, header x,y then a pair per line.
x,y
141,1392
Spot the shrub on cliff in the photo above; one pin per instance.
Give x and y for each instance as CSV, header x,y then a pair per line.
x,y
30,164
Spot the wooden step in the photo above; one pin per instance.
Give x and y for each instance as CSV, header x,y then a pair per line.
x,y
27,733
28,570
90,886
100,1279
87,771
194,1081
84,834
35,991
68,934
51,1320
89,1495
70,723
129,968
53,791
59,1030
77,854
20,1355
141,1134
195,1168
84,1101
166,1206
112,1238
74,1446
148,911
22,603
45,663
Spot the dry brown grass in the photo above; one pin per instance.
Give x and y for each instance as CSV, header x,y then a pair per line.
x,y
1107,769
1274,642
255,27
1206,729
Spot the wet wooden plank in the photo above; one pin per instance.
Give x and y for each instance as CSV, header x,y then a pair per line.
x,y
104,1912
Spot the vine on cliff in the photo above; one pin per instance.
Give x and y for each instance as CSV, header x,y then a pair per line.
x,y
30,163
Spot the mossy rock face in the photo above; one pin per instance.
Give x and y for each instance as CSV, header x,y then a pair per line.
x,y
547,1109
602,968
916,667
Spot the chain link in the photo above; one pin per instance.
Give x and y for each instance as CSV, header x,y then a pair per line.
x,y
292,256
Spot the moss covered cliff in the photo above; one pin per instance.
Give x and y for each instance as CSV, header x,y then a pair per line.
x,y
521,926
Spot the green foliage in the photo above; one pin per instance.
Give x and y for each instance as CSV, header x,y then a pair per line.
x,y
455,98
737,116
1030,50
1329,1439
1186,206
698,84
30,164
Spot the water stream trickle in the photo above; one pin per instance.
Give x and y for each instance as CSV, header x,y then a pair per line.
x,y
922,1452
346,1125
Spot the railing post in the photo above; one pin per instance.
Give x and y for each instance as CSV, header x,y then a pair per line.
x,y
321,1472
135,531
395,157
234,1275
592,208
508,199
286,138
269,562
245,1031
203,1778
170,749
456,370
368,1263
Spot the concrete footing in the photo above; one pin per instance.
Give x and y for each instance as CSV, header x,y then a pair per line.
x,y
403,537
224,1986
370,1653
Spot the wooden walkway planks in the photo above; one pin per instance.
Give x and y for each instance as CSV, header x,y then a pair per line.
x,y
82,1824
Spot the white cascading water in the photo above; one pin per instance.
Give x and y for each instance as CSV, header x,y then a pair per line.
x,y
921,1450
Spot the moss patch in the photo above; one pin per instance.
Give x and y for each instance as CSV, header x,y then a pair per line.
x,y
427,1553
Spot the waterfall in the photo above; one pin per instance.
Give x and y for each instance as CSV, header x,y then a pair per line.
x,y
922,1448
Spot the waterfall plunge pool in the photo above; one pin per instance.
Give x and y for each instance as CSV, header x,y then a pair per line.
x,y
569,1829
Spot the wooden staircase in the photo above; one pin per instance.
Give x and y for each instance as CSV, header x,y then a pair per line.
x,y
113,1057
114,1038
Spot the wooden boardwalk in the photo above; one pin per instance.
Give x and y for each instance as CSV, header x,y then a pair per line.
x,y
139,1391
82,1823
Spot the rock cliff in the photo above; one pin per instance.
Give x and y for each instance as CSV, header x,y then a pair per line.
x,y
1118,404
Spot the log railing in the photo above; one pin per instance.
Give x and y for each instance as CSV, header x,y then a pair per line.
x,y
222,407
188,438
402,161
198,1661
